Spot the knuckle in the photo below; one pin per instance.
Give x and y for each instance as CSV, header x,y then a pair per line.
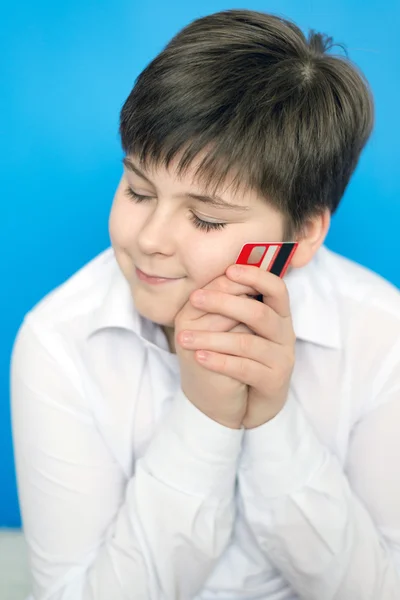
x,y
259,378
259,313
275,328
224,364
245,343
224,285
289,355
282,288
220,284
275,367
280,285
214,322
242,368
281,376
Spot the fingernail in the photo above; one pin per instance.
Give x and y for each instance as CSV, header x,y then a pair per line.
x,y
198,297
202,355
235,270
187,337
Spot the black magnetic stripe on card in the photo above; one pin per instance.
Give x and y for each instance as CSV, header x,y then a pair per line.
x,y
281,259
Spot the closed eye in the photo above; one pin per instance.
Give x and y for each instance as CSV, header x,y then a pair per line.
x,y
136,196
198,223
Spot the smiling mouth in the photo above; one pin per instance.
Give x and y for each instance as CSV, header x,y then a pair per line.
x,y
154,279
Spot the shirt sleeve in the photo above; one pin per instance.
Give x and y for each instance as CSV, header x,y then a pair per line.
x,y
92,534
334,535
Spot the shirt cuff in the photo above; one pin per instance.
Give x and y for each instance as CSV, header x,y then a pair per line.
x,y
282,455
192,452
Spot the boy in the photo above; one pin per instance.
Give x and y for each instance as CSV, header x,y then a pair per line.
x,y
175,438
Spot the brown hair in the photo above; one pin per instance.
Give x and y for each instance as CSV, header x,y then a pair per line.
x,y
267,103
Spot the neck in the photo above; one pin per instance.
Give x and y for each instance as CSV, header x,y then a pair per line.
x,y
170,335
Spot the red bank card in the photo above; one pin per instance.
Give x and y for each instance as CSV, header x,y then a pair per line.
x,y
272,257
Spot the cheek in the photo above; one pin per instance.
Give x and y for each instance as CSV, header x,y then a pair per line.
x,y
123,224
209,259
112,224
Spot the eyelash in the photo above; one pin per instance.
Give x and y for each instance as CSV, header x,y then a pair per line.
x,y
198,223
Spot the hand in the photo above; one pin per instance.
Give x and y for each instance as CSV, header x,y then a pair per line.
x,y
264,361
219,396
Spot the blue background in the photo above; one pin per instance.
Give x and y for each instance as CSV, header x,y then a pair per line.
x,y
66,69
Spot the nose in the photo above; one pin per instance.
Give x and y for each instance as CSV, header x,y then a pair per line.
x,y
157,233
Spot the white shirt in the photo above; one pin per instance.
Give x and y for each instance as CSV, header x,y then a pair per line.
x,y
127,491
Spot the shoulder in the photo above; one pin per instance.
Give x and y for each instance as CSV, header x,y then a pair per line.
x,y
359,290
354,280
59,322
368,308
79,295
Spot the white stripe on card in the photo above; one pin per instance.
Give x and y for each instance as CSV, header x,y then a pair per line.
x,y
269,255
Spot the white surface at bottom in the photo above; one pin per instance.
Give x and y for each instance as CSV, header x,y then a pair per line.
x,y
14,572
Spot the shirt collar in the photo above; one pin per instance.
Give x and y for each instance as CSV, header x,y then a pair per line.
x,y
314,305
116,309
314,302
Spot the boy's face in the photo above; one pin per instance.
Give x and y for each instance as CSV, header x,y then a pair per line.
x,y
159,236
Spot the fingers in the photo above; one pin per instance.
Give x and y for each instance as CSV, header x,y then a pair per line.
x,y
238,344
226,285
213,322
241,328
259,317
247,358
241,369
273,288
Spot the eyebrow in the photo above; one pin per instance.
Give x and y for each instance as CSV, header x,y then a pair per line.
x,y
215,201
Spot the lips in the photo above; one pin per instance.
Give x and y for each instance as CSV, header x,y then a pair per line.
x,y
153,279
151,276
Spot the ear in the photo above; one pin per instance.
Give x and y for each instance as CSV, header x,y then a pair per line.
x,y
310,239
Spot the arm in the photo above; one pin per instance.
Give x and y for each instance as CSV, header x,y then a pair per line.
x,y
93,535
331,536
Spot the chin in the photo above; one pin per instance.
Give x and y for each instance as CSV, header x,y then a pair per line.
x,y
156,314
159,308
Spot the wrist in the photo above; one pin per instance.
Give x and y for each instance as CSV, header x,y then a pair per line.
x,y
231,421
230,425
257,417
